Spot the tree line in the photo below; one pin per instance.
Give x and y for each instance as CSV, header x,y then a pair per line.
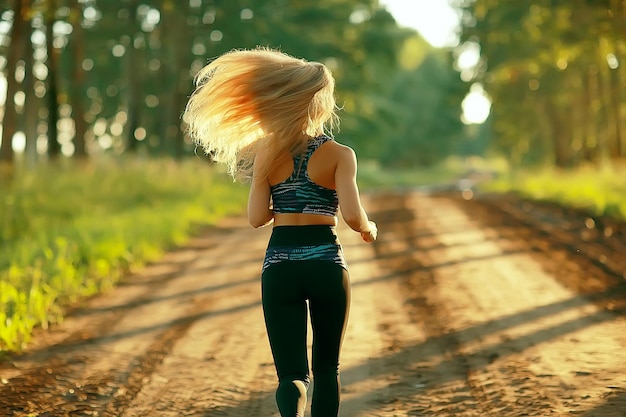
x,y
555,72
85,77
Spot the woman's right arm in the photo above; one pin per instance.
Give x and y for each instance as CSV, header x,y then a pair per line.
x,y
352,211
259,211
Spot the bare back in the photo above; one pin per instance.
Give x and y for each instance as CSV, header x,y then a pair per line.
x,y
321,169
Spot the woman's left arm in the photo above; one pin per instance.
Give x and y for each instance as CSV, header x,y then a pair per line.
x,y
259,211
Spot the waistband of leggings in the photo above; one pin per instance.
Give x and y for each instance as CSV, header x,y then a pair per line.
x,y
315,234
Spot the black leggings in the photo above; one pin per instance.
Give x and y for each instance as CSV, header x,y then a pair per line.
x,y
286,287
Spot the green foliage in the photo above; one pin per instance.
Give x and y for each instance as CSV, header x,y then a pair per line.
x,y
600,191
68,233
187,35
424,113
126,66
555,73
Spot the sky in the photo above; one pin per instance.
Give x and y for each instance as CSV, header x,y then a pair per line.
x,y
438,23
435,20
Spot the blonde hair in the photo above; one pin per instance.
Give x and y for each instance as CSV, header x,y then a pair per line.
x,y
248,99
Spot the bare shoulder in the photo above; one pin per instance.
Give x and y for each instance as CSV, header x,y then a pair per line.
x,y
341,151
262,154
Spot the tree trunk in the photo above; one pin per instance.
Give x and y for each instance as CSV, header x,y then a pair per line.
x,y
78,83
615,146
31,104
560,135
168,74
589,141
175,64
16,48
178,137
183,83
54,148
134,82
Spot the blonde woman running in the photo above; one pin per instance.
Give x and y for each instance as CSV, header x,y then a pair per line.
x,y
264,114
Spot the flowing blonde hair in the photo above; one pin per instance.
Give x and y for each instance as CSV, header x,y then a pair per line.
x,y
248,99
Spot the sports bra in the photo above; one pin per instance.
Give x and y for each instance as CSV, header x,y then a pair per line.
x,y
299,194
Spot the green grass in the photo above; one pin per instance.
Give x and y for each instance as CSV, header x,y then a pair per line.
x,y
70,232
599,191
596,190
372,176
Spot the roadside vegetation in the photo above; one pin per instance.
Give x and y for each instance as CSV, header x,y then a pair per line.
x,y
597,191
71,232
372,176
448,174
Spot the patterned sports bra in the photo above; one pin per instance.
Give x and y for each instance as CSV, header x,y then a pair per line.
x,y
299,194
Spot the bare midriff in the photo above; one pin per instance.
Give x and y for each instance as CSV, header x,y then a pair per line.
x,y
299,219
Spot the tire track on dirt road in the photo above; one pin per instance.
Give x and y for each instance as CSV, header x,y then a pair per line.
x,y
600,241
522,335
100,358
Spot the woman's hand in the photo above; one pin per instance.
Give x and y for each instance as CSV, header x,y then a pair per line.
x,y
371,234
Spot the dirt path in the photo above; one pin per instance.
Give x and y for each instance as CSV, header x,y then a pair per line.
x,y
462,308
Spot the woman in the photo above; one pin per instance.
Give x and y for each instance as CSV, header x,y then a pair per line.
x,y
264,114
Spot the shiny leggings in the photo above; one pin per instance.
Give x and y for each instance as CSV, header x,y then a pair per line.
x,y
286,288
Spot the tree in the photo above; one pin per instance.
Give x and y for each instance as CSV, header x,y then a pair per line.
x,y
52,93
15,53
124,70
555,87
77,88
424,106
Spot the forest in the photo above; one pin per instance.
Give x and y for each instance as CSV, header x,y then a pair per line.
x,y
92,77
554,71
87,77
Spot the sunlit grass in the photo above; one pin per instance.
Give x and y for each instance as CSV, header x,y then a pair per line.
x,y
600,191
597,190
372,176
70,232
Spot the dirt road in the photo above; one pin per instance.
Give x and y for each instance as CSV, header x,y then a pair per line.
x,y
462,308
